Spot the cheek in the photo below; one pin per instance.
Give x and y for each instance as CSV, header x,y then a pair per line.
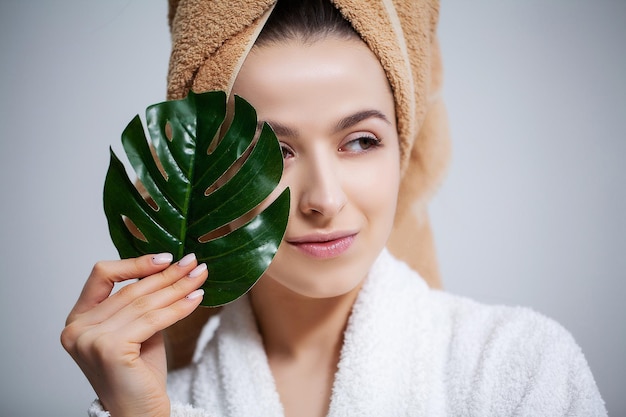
x,y
374,189
288,181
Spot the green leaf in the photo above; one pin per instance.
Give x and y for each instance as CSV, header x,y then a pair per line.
x,y
196,192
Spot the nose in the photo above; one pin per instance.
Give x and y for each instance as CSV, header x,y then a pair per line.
x,y
322,189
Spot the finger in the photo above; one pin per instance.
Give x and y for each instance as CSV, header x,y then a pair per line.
x,y
133,293
114,345
157,300
105,320
154,321
105,274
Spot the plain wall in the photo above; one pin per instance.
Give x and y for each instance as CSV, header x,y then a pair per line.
x,y
531,213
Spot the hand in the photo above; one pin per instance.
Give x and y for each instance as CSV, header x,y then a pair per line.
x,y
116,339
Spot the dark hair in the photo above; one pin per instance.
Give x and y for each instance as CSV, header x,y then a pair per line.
x,y
304,20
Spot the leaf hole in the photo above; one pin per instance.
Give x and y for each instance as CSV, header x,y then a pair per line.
x,y
223,129
230,227
234,168
169,134
159,165
217,233
240,221
133,229
157,162
146,196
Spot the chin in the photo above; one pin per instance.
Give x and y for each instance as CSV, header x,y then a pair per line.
x,y
326,288
325,279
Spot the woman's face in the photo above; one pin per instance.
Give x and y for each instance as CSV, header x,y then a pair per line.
x,y
331,107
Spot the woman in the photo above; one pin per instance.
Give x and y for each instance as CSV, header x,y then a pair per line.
x,y
337,325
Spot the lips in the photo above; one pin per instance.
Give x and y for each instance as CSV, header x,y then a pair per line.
x,y
324,245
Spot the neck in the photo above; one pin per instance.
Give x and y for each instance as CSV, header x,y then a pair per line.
x,y
294,326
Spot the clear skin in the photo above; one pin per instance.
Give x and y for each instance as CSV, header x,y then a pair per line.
x,y
333,111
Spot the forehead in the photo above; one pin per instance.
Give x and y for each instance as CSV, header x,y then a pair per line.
x,y
342,74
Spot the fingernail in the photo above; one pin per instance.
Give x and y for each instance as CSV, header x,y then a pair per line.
x,y
187,259
197,293
162,258
197,271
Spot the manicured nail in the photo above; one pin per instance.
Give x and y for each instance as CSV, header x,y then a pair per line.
x,y
162,258
197,293
197,271
187,259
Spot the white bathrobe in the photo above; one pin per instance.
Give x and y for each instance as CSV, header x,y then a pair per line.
x,y
408,351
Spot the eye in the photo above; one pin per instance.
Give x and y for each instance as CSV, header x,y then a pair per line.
x,y
361,144
287,151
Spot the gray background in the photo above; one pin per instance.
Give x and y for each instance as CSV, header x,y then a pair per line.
x,y
532,211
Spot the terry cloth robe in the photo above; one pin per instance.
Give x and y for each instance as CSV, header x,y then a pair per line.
x,y
408,351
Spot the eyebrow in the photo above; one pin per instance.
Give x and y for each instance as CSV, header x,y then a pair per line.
x,y
345,123
358,117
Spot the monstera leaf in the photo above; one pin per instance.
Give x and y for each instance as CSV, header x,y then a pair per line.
x,y
200,187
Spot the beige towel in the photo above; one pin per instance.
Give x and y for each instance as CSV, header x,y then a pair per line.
x,y
210,41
